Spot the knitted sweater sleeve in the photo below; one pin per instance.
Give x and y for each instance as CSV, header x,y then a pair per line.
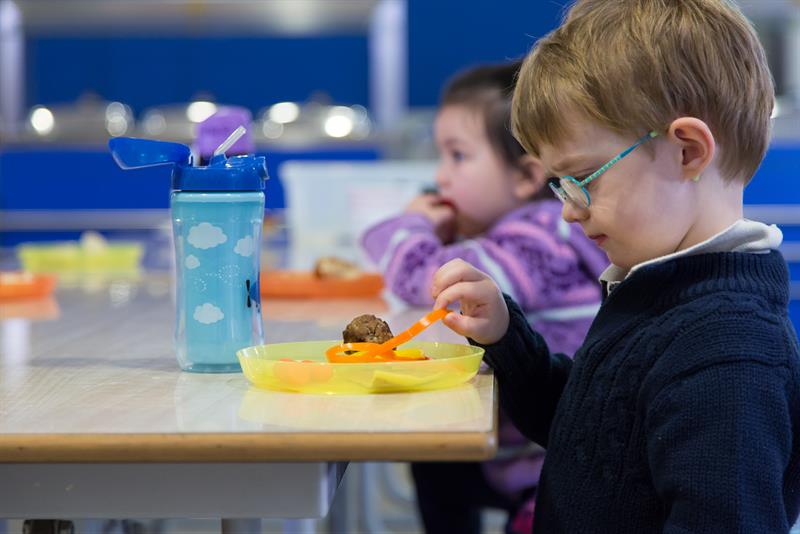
x,y
719,441
530,377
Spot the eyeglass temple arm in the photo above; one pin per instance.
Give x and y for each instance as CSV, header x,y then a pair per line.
x,y
619,156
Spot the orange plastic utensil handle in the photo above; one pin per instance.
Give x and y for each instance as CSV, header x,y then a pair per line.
x,y
403,337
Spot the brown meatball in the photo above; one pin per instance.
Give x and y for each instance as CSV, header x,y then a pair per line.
x,y
367,328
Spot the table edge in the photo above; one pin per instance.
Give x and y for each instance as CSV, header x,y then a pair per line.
x,y
247,447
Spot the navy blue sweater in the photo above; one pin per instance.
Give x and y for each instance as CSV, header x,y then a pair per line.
x,y
681,411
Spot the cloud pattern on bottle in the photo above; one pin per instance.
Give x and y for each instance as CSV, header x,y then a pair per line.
x,y
244,247
208,314
206,235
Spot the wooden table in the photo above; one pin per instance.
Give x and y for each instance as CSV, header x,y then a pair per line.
x,y
97,420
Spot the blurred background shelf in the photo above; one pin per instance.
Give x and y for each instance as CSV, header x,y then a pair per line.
x,y
198,17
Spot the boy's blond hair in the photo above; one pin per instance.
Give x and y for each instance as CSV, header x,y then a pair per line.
x,y
636,65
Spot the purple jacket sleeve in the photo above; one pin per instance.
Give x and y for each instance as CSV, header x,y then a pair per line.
x,y
408,252
401,248
524,253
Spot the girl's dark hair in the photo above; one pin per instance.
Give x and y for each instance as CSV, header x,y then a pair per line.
x,y
488,90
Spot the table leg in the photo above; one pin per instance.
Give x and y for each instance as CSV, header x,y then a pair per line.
x,y
339,513
372,521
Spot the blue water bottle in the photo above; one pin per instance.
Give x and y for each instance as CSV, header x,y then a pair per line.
x,y
217,215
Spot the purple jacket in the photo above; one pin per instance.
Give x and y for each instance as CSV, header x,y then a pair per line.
x,y
547,265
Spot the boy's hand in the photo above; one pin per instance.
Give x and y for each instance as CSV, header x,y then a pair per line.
x,y
484,314
442,215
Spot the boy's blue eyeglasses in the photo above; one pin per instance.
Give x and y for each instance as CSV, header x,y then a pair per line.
x,y
571,189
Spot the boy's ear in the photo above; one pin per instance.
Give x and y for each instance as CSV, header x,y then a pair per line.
x,y
531,177
697,145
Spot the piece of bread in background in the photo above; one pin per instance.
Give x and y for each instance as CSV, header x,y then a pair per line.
x,y
333,267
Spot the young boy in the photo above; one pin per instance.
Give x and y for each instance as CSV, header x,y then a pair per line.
x,y
681,411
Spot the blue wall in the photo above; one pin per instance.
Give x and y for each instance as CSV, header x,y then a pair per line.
x,y
144,72
448,35
65,178
444,36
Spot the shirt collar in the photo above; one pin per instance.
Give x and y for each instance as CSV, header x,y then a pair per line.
x,y
742,236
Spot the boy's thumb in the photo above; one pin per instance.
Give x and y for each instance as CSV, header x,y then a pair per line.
x,y
453,321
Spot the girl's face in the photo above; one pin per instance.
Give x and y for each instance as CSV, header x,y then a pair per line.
x,y
471,175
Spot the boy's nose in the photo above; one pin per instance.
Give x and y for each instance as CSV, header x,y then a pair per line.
x,y
571,212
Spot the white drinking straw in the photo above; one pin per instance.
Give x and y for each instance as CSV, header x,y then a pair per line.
x,y
232,138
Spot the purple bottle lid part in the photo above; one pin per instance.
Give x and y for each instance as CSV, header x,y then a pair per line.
x,y
215,129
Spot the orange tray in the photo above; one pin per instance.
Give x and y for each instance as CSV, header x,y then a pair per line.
x,y
19,285
303,284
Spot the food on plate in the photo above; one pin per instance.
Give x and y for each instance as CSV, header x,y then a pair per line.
x,y
333,267
302,372
367,329
376,351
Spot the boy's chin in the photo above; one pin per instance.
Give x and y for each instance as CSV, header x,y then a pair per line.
x,y
623,261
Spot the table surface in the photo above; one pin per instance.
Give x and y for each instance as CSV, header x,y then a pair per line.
x,y
90,376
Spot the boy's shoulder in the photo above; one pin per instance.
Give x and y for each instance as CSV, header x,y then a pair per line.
x,y
724,329
729,322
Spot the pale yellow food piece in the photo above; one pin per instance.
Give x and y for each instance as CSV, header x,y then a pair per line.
x,y
333,267
386,380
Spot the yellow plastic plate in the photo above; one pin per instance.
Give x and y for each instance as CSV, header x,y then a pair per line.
x,y
449,365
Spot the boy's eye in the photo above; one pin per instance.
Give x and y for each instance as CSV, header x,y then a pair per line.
x,y
457,155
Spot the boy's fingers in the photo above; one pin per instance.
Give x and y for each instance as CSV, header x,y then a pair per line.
x,y
459,291
444,272
462,324
446,297
454,321
453,272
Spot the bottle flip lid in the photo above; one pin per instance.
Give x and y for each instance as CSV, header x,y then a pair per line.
x,y
238,173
